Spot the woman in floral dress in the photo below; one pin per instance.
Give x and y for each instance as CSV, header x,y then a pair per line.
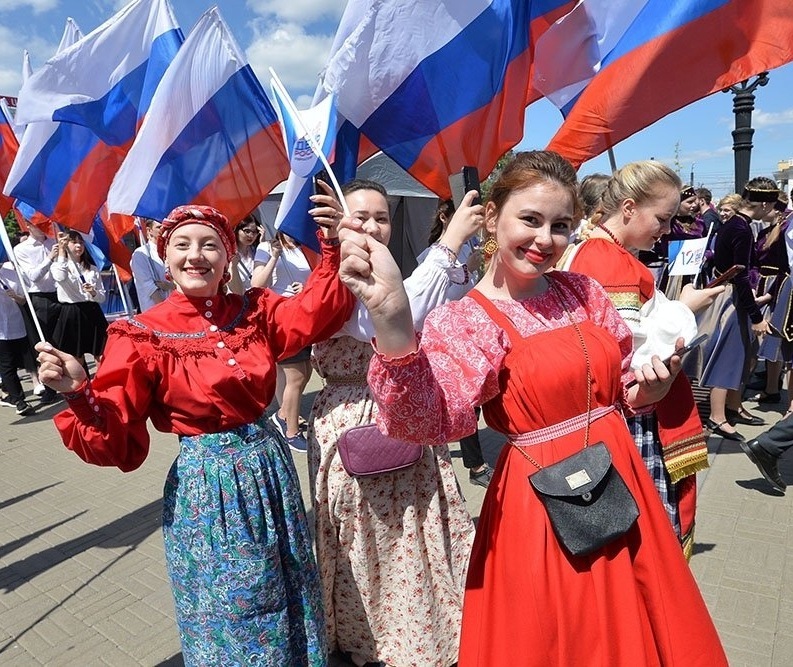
x,y
392,549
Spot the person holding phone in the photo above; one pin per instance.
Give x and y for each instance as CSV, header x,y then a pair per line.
x,y
82,326
736,320
283,266
546,355
635,210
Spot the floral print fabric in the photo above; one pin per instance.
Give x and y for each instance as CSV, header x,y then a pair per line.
x,y
238,551
392,549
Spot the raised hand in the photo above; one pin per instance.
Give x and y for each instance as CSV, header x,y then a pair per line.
x,y
58,370
698,299
466,221
369,271
327,211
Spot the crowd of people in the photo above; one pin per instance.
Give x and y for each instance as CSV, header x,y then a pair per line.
x,y
548,309
65,291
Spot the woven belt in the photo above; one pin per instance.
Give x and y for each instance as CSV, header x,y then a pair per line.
x,y
353,380
558,430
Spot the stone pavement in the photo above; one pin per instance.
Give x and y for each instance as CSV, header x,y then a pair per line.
x,y
83,581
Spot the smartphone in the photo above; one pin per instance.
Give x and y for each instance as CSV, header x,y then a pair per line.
x,y
729,274
321,175
679,352
462,182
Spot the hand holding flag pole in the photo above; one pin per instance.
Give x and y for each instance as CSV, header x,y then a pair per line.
x,y
309,138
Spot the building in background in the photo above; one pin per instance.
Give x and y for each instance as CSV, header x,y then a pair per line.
x,y
783,174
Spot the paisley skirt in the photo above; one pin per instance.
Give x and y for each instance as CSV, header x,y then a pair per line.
x,y
239,555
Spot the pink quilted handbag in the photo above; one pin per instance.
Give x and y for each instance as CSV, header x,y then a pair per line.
x,y
365,451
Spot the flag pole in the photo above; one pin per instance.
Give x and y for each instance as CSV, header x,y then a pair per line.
x,y
310,139
10,252
702,262
612,159
122,292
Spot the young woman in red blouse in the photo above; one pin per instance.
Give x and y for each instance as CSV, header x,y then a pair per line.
x,y
201,365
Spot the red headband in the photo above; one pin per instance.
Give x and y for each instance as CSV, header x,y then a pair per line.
x,y
197,215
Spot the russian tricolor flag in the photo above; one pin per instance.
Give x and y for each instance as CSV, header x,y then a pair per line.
x,y
674,52
99,90
211,135
9,145
438,85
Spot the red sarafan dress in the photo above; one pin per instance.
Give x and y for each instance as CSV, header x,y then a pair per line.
x,y
527,601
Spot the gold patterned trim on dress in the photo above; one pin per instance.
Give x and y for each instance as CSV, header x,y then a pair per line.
x,y
625,300
686,457
687,542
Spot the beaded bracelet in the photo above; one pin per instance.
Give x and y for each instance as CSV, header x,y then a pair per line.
x,y
328,241
449,252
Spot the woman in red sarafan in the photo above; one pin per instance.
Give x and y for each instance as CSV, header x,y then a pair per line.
x,y
522,345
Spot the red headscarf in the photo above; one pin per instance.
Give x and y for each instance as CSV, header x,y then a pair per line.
x,y
197,215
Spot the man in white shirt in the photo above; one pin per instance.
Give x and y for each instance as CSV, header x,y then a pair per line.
x,y
148,270
34,256
14,345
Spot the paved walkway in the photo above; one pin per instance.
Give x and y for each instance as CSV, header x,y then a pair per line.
x,y
83,582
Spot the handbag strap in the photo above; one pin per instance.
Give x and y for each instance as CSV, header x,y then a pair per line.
x,y
560,298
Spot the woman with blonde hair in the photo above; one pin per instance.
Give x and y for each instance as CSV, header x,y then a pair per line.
x,y
637,207
729,205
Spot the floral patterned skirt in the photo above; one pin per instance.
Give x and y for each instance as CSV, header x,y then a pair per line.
x,y
238,551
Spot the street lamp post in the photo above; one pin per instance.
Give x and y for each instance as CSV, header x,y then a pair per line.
x,y
742,107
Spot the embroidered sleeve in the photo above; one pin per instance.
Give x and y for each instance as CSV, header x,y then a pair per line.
x,y
106,420
428,396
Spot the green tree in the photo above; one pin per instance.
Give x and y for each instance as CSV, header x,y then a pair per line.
x,y
12,226
487,184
